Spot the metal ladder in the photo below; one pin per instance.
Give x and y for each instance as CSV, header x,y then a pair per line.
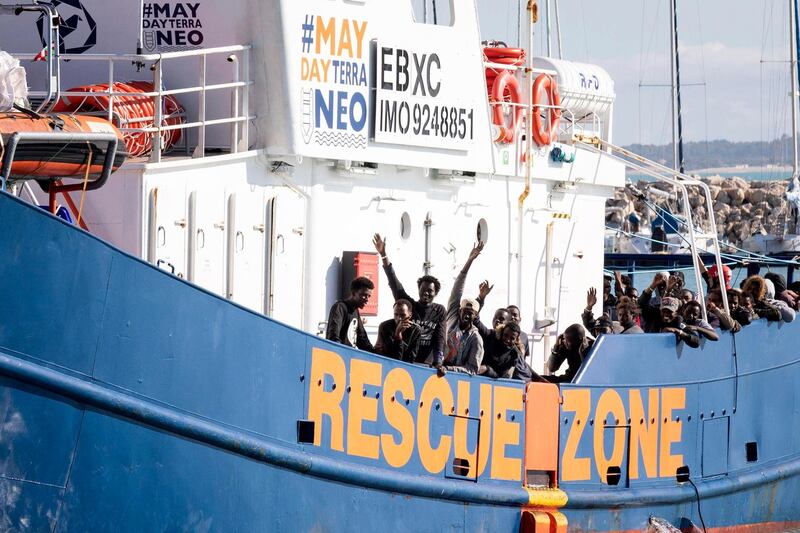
x,y
680,181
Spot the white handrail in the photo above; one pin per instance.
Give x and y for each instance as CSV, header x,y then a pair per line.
x,y
239,86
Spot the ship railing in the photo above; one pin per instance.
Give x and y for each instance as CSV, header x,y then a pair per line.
x,y
681,181
239,116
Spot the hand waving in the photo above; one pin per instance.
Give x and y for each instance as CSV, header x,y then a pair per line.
x,y
591,297
380,244
484,289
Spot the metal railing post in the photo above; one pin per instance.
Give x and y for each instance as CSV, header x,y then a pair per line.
x,y
246,98
201,134
155,157
235,106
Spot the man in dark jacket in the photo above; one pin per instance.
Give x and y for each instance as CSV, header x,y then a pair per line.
x,y
399,337
571,346
428,316
344,320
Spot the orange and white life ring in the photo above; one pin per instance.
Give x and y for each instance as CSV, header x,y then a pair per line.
x,y
504,89
544,130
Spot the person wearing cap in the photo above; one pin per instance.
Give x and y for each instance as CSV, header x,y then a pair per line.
x,y
464,348
672,322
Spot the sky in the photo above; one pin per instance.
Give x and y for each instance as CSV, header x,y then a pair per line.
x,y
733,54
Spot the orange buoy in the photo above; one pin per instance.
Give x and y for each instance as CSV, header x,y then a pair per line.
x,y
504,89
544,130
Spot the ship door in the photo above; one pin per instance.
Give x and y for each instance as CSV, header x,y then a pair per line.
x,y
464,456
715,446
206,235
616,455
166,234
245,250
284,273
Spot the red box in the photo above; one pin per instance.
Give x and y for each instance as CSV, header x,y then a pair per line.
x,y
357,264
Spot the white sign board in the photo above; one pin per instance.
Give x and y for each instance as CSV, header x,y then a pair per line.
x,y
417,100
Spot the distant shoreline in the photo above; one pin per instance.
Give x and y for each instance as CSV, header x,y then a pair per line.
x,y
746,170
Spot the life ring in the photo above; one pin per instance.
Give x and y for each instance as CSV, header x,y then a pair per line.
x,y
506,56
505,84
543,131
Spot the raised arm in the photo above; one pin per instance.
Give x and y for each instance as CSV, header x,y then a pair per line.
x,y
458,286
398,292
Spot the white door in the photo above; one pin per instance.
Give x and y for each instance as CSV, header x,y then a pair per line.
x,y
206,234
167,222
285,258
246,231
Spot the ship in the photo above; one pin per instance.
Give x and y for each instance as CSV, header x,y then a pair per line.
x,y
162,366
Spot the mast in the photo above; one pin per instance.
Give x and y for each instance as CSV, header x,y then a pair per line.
x,y
677,122
558,29
548,17
794,74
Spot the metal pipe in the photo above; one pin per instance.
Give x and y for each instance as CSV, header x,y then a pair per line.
x,y
548,281
155,157
528,155
426,266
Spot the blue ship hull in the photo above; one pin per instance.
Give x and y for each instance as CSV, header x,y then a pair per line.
x,y
134,401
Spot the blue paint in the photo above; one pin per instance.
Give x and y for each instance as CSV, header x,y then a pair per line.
x,y
180,409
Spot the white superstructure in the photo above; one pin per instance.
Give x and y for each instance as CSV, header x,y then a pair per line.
x,y
310,126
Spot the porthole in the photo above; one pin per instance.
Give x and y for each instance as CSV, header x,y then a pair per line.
x,y
405,226
483,230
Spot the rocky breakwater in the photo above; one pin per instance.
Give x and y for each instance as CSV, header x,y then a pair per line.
x,y
741,208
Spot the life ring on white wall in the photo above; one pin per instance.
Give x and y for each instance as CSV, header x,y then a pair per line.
x,y
504,89
545,87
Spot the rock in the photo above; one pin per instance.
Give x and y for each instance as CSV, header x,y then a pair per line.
x,y
723,198
695,200
756,196
714,189
735,194
775,200
739,183
722,209
719,181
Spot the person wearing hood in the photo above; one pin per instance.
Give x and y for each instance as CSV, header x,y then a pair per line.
x,y
782,292
787,313
756,288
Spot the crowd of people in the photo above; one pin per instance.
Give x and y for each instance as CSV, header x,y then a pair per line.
x,y
455,339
